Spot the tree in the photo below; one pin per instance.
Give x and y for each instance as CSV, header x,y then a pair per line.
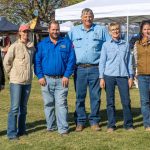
x,y
26,10
71,2
19,11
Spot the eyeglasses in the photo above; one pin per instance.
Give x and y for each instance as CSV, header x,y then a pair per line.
x,y
117,29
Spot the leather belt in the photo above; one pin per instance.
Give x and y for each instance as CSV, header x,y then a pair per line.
x,y
55,77
87,65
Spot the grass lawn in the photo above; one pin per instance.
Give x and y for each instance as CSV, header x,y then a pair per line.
x,y
39,139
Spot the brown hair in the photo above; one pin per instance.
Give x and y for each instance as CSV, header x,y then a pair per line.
x,y
143,23
53,22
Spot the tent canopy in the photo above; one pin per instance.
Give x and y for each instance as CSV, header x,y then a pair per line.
x,y
65,27
108,9
6,26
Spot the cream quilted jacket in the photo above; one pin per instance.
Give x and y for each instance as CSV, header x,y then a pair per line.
x,y
18,62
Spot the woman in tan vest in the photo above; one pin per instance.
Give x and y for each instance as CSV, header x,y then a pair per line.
x,y
142,63
18,66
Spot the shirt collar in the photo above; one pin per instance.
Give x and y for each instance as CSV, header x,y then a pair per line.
x,y
119,41
92,27
49,40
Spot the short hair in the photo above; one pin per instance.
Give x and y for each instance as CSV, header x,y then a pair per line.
x,y
53,22
87,10
113,24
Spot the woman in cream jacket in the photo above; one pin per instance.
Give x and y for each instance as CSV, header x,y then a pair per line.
x,y
18,66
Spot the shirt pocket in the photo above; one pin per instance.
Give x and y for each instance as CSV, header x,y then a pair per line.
x,y
111,54
97,44
123,52
64,54
77,42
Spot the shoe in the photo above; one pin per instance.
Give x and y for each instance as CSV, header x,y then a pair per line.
x,y
147,129
79,128
110,130
13,138
95,127
130,129
22,134
64,134
50,130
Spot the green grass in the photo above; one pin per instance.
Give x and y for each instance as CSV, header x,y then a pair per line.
x,y
39,139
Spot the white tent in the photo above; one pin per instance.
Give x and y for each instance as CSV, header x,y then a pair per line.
x,y
108,9
65,27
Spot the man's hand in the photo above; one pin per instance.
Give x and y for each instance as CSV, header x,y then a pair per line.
x,y
42,81
102,83
130,82
65,82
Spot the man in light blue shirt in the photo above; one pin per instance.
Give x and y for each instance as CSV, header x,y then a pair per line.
x,y
87,39
115,68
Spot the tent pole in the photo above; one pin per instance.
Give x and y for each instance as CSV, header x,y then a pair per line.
x,y
127,28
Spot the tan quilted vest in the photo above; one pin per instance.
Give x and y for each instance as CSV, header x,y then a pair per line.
x,y
143,58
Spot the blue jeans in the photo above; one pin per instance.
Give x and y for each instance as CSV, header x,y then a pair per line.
x,y
19,95
144,89
87,77
55,103
122,83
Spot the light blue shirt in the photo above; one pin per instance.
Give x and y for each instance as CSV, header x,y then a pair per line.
x,y
88,44
116,59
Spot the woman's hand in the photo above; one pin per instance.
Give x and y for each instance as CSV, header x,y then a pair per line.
x,y
130,82
102,83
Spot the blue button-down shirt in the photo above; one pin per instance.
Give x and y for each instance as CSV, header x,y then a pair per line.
x,y
88,44
116,59
54,59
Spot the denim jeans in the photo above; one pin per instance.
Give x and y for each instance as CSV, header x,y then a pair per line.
x,y
55,104
122,83
87,77
144,89
19,95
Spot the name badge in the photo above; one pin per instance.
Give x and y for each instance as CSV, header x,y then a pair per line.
x,y
62,46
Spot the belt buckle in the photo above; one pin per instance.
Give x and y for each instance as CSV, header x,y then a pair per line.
x,y
88,65
57,77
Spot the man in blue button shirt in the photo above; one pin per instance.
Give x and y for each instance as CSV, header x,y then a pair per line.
x,y
87,39
54,63
115,68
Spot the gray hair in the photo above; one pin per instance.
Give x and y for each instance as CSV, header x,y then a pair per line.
x,y
87,10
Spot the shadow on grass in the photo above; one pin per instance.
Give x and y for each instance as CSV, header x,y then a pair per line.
x,y
36,126
31,127
136,112
41,124
2,133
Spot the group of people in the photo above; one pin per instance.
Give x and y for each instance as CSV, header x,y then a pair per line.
x,y
97,56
